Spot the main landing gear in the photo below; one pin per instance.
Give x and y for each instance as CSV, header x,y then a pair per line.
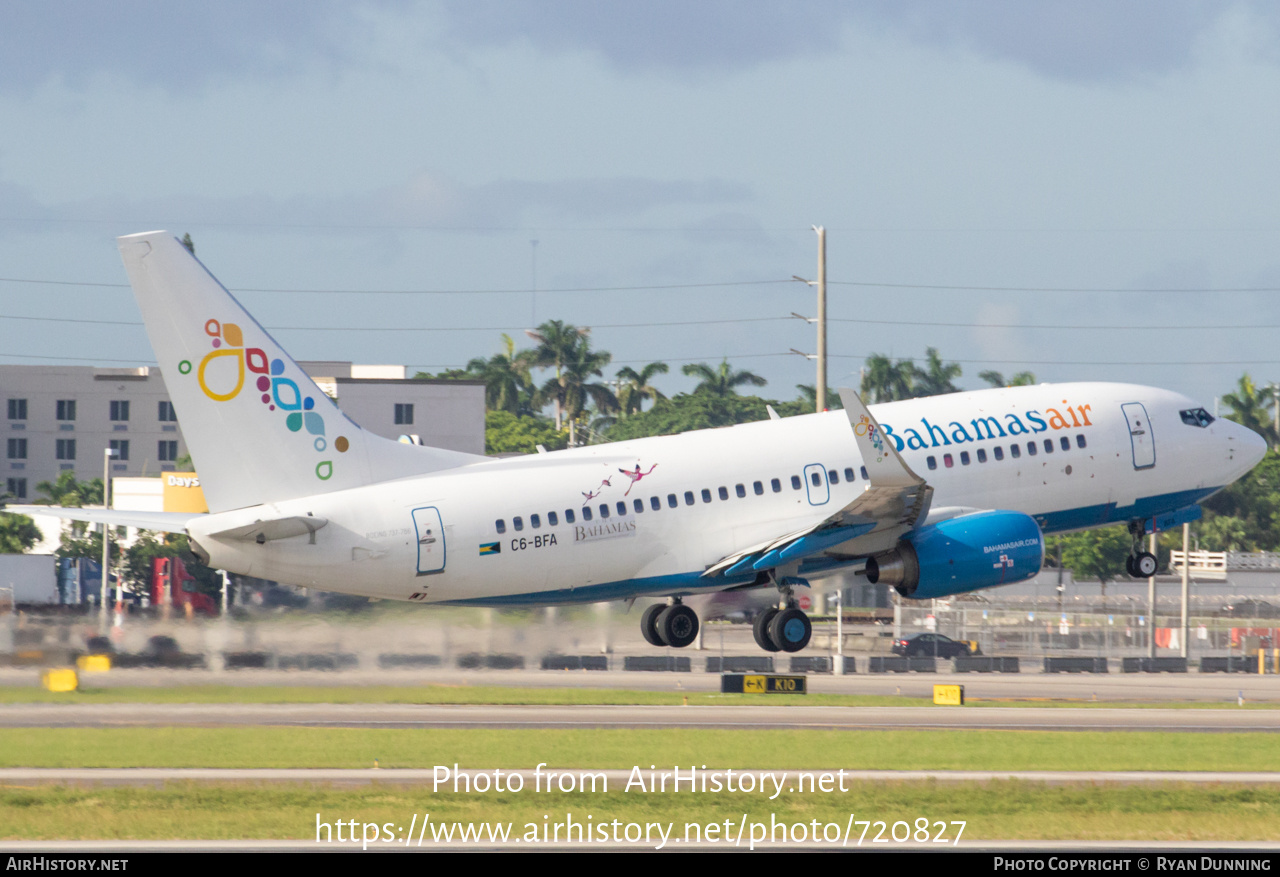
x,y
785,628
675,625
782,630
1139,564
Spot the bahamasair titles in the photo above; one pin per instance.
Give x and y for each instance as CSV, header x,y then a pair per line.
x,y
934,496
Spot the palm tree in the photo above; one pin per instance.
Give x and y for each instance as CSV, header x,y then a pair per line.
x,y
557,346
936,379
722,380
886,381
1249,406
507,383
1021,379
568,349
67,492
636,388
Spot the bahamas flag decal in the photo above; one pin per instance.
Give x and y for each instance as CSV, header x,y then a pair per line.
x,y
490,548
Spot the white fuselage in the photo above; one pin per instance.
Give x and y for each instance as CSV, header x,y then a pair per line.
x,y
534,529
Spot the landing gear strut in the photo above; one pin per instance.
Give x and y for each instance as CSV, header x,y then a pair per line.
x,y
675,625
1139,564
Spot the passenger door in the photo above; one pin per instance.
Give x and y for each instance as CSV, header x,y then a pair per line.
x,y
1141,437
430,534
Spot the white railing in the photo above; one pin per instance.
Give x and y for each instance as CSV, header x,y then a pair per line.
x,y
1253,560
1203,564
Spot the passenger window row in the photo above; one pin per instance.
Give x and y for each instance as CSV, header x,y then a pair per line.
x,y
672,500
1015,451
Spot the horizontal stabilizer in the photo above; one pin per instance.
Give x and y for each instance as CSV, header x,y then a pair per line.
x,y
273,529
166,522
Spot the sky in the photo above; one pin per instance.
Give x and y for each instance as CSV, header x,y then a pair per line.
x,y
1086,190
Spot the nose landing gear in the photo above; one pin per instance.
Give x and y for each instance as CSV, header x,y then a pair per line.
x,y
1139,564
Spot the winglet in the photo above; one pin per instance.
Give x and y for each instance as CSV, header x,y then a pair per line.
x,y
885,466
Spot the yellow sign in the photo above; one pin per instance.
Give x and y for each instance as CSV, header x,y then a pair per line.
x,y
60,679
182,493
94,663
754,685
948,695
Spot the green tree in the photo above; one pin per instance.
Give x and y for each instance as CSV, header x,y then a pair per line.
x,y
567,350
722,380
508,385
636,386
884,380
449,374
1249,406
1253,502
807,401
557,347
996,379
1094,554
507,433
688,411
137,563
1223,533
67,492
936,378
17,534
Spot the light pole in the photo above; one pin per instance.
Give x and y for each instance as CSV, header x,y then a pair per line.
x,y
821,319
107,454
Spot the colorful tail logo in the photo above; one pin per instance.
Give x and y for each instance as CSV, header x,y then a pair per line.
x,y
277,392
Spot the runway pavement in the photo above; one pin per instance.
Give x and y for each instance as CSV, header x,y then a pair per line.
x,y
560,716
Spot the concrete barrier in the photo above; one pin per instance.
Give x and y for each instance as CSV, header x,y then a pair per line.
x,y
1075,665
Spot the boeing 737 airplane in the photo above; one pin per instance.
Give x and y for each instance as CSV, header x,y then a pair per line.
x,y
935,496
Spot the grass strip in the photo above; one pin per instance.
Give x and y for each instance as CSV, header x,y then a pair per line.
x,y
493,694
1012,810
302,747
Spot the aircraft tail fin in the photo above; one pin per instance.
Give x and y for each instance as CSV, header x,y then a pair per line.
x,y
258,428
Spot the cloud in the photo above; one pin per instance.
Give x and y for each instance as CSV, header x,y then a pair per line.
x,y
168,44
1068,39
424,201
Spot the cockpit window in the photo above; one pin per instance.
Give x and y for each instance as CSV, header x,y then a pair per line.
x,y
1196,417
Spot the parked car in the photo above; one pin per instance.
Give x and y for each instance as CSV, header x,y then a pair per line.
x,y
1251,609
928,645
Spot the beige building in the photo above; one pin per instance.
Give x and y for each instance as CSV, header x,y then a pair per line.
x,y
62,418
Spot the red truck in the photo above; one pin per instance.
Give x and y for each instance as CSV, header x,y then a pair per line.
x,y
171,571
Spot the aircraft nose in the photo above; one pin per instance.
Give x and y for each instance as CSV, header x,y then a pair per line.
x,y
1248,448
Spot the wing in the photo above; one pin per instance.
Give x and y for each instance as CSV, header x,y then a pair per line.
x,y
893,500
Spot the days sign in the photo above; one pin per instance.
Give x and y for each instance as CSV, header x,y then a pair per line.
x,y
182,493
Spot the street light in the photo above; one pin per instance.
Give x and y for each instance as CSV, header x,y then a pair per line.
x,y
107,454
821,319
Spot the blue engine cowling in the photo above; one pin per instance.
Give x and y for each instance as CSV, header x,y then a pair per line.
x,y
979,550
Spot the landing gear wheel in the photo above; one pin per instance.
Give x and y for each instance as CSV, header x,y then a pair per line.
x,y
649,624
1145,565
678,626
761,630
790,630
1128,567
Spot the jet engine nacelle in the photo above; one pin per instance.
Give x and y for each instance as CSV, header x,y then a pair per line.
x,y
974,551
